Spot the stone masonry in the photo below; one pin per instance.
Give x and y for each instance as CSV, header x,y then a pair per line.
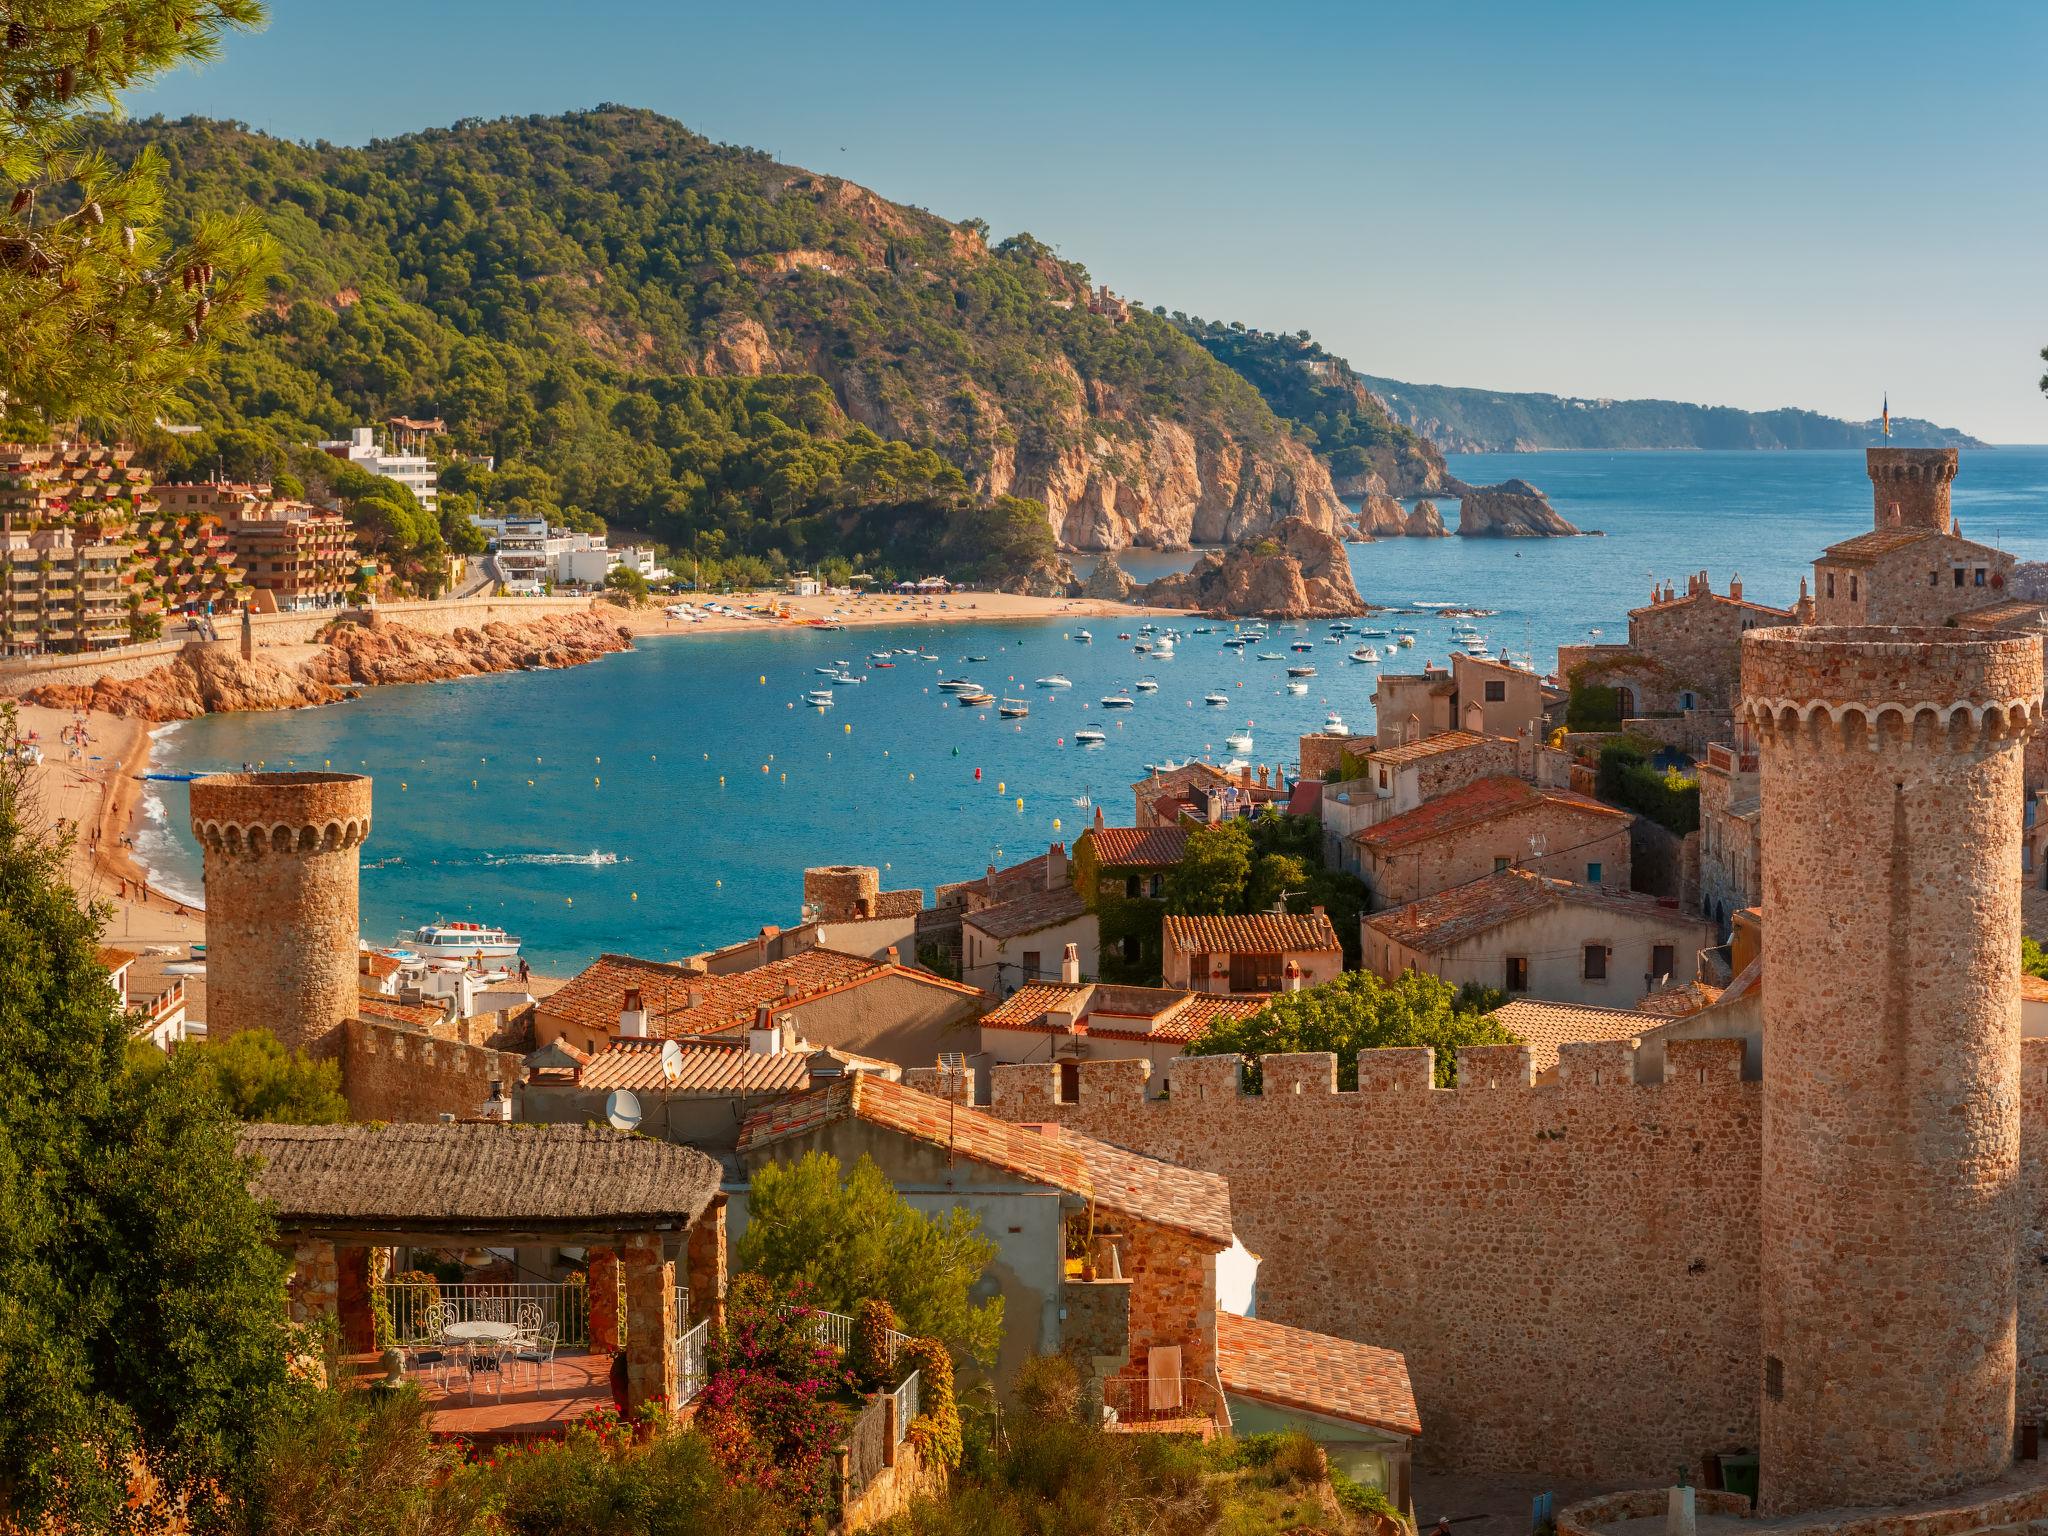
x,y
1890,1215
282,862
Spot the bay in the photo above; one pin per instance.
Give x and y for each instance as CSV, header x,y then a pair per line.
x,y
667,800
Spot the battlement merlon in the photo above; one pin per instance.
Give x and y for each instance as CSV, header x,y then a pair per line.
x,y
1895,683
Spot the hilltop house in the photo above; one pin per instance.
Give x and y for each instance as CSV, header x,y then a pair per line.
x,y
1489,825
1259,952
1545,938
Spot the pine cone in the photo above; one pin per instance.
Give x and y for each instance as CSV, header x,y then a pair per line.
x,y
22,198
17,35
67,83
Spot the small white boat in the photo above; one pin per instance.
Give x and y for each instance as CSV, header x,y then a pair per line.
x,y
888,656
1143,647
975,699
1333,724
1146,685
819,698
845,679
1090,736
1365,653
1405,640
1271,656
1301,671
959,685
1056,681
1297,687
1163,646
1168,766
1301,645
1083,636
826,671
462,941
1239,741
1117,701
1217,699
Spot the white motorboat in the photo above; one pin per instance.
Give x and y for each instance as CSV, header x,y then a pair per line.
x,y
1333,724
1271,656
1117,701
959,685
1301,645
1163,645
1239,741
820,698
1216,699
1301,671
462,941
1090,736
1146,685
845,679
1298,686
1405,640
1083,636
826,671
1365,653
1056,681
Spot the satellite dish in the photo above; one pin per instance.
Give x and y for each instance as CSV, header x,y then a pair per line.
x,y
622,1109
671,1061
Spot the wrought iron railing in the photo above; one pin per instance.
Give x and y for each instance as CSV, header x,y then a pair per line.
x,y
566,1306
836,1329
693,1367
909,1400
1130,1401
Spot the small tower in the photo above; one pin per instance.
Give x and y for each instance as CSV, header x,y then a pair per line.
x,y
283,867
1892,784
1909,486
842,893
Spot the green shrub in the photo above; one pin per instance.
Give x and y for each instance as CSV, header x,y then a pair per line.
x,y
1297,1460
1592,707
1668,797
1361,1498
1049,1388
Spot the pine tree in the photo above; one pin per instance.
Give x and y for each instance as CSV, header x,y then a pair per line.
x,y
100,315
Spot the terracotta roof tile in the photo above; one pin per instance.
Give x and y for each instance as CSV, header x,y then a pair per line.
x,y
1429,746
1447,919
1474,805
114,959
1186,776
1258,933
1027,1007
1140,1187
1685,599
376,964
1543,1026
1876,544
1166,1014
1146,847
1029,914
1315,1373
1679,1002
708,1069
2016,614
389,1010
593,999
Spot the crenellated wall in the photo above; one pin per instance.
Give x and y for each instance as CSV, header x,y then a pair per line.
x,y
391,1073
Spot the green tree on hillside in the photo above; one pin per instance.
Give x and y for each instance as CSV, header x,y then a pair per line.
x,y
255,1076
102,313
855,1238
1210,879
1359,1012
140,1299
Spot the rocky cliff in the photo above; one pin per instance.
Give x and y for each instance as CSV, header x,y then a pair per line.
x,y
212,678
1298,571
1108,582
1425,522
1514,509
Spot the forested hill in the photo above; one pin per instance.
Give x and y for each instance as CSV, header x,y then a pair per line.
x,y
692,339
1330,407
1492,421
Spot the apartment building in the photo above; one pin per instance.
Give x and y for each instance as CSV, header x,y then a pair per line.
x,y
66,512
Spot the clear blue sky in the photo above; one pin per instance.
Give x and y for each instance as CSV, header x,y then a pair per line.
x,y
1786,203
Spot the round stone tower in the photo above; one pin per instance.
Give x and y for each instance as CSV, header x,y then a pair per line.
x,y
1890,1219
840,893
1911,484
283,863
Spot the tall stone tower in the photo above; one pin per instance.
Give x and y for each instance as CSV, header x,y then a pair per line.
x,y
283,863
1911,483
1890,1218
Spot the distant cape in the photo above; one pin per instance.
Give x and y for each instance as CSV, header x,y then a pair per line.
x,y
1495,421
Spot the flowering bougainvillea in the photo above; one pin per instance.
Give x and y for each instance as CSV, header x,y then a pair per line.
x,y
769,1409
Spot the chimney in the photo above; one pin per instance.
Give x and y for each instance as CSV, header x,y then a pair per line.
x,y
497,1106
632,1017
991,879
1291,976
693,998
1735,585
764,1038
892,955
1098,818
1055,866
1070,965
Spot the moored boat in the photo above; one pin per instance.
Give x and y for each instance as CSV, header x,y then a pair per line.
x,y
1013,709
462,941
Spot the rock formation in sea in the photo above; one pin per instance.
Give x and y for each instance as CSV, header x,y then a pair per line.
x,y
1425,522
1297,571
212,678
1514,509
1108,582
1379,514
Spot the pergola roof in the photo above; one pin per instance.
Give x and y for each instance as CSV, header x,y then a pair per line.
x,y
482,1179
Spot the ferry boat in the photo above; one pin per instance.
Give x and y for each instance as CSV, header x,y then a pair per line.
x,y
1013,709
1057,680
1117,701
462,941
1217,700
1090,736
1301,671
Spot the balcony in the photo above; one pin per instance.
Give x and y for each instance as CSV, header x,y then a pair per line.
x,y
1163,1405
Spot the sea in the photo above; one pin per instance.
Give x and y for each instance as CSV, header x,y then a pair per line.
x,y
667,800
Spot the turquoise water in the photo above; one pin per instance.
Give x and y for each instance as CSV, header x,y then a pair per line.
x,y
624,805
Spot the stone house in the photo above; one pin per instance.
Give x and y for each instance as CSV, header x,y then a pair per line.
x,y
1489,825
1014,943
1172,786
1121,874
1126,1263
1258,952
1684,651
1392,781
1412,706
1497,698
1094,1021
882,1009
1538,937
1906,575
1731,831
693,1092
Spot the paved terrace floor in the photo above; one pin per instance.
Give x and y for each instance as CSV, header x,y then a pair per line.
x,y
526,1408
2026,1480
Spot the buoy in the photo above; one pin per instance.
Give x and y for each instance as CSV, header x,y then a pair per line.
x,y
764,678
1055,823
595,782
529,783
785,778
719,883
1020,802
636,894
977,772
849,727
472,783
707,758
721,781
1001,789
401,783
568,901
764,767
913,778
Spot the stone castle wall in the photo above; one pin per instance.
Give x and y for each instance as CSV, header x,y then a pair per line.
x,y
391,1073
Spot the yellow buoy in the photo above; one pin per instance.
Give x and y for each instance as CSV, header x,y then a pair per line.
x,y
401,783
721,780
849,728
595,782
568,901
785,778
913,778
1055,823
1020,802
529,783
719,883
764,679
472,783
1001,789
636,895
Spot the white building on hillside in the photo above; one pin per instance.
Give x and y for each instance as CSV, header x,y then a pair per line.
x,y
414,471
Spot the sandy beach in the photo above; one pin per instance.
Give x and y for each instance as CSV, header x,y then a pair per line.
x,y
772,609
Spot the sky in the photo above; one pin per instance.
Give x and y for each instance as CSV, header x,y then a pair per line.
x,y
1791,203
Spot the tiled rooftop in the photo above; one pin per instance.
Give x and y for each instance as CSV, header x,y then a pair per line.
x,y
710,1069
1146,847
377,1008
1029,914
1679,1002
1140,1187
1122,1013
1256,933
1684,598
1543,1027
2016,614
1866,547
113,959
594,998
1315,1373
1186,776
1448,918
1429,746
1475,804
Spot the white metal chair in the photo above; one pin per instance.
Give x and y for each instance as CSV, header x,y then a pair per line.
x,y
428,1345
538,1349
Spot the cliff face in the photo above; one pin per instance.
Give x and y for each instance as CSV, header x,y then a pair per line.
x,y
1298,571
1514,509
212,678
1425,522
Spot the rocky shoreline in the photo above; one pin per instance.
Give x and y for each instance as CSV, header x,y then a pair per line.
x,y
214,678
